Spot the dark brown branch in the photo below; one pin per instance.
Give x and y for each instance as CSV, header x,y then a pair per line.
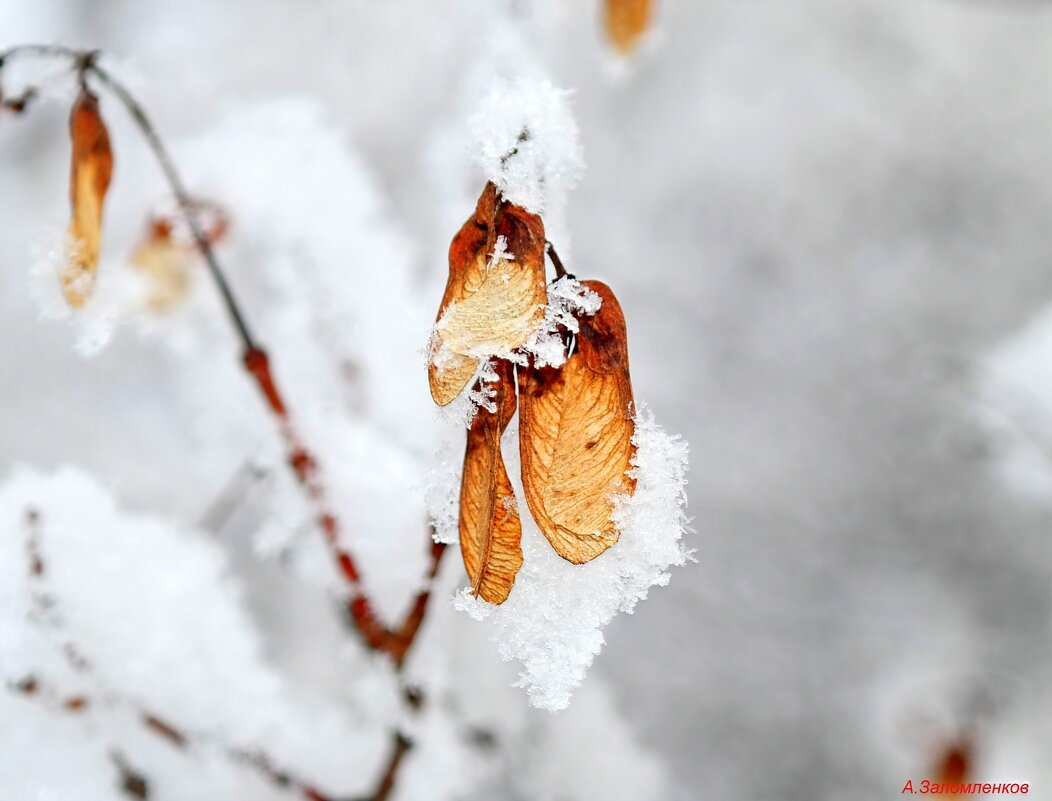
x,y
399,748
560,270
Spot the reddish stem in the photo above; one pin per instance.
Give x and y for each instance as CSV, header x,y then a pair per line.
x,y
394,642
399,749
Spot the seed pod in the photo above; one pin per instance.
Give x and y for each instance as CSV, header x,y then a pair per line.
x,y
490,531
495,294
954,763
575,436
92,167
166,266
626,22
167,254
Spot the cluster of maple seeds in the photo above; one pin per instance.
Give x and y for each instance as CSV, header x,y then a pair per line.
x,y
575,420
575,424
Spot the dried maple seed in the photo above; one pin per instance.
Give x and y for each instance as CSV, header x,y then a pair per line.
x,y
490,530
167,253
575,436
953,767
495,294
626,22
92,168
166,266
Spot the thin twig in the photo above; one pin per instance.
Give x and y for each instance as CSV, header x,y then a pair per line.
x,y
20,102
560,270
399,748
40,51
182,197
132,783
395,642
174,734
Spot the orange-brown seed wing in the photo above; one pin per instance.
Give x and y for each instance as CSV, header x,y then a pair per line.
x,y
626,22
91,170
490,530
495,293
575,436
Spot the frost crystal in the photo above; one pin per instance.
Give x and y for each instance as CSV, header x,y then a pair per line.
x,y
438,352
500,253
567,299
528,143
107,294
552,622
479,396
442,490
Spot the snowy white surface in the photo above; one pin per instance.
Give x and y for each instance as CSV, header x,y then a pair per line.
x,y
528,142
139,600
93,325
1014,401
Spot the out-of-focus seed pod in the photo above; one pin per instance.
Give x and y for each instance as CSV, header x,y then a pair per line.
x,y
575,436
954,767
490,530
166,265
495,294
92,168
168,253
626,22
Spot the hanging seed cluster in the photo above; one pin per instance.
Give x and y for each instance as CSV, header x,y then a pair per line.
x,y
575,421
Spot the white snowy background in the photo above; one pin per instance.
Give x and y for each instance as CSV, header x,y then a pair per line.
x,y
828,226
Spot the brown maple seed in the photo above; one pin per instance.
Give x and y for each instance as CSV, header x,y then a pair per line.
x,y
167,254
495,294
490,530
954,764
575,436
91,170
626,22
